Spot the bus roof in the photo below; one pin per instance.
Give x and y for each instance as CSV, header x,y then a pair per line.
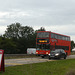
x,y
60,34
53,32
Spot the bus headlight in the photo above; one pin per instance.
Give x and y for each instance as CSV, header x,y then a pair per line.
x,y
36,52
46,52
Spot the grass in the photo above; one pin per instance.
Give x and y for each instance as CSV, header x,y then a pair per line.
x,y
71,72
20,56
59,67
72,53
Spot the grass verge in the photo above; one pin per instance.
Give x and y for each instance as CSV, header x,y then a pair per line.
x,y
59,67
72,53
20,56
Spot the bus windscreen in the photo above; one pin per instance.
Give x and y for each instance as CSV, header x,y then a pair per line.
x,y
43,46
43,35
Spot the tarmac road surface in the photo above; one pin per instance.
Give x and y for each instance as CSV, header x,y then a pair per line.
x,y
21,61
71,57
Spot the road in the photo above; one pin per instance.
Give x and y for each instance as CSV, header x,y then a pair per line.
x,y
21,61
71,57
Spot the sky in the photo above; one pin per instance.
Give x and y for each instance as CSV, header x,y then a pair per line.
x,y
54,15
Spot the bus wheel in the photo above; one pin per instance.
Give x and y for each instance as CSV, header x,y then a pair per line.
x,y
49,58
65,57
42,56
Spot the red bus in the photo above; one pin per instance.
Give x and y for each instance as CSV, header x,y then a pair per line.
x,y
47,41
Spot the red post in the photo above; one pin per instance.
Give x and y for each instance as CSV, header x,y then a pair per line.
x,y
2,67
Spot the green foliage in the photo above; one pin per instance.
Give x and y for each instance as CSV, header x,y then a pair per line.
x,y
13,30
7,45
41,29
22,37
72,44
17,31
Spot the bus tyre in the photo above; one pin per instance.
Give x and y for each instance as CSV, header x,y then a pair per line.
x,y
65,57
49,57
42,56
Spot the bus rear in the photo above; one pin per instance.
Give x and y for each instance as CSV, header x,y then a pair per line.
x,y
43,43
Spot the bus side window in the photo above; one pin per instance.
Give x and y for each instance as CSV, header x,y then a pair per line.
x,y
56,36
64,38
59,36
52,35
68,38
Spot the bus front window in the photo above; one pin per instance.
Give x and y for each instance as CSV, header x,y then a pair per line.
x,y
43,35
43,46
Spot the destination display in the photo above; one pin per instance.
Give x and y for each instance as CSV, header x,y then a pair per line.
x,y
42,40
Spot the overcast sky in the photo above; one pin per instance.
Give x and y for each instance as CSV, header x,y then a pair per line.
x,y
54,15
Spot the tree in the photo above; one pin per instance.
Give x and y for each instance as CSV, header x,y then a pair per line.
x,y
26,31
41,29
26,40
13,31
72,44
21,35
7,45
